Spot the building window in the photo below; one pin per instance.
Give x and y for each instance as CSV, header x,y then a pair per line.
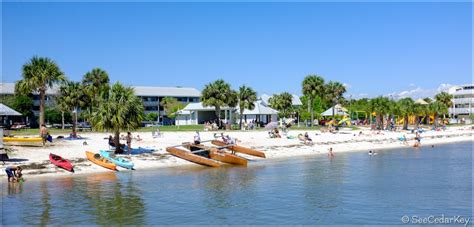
x,y
151,108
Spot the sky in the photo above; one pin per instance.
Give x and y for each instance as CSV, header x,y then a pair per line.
x,y
398,49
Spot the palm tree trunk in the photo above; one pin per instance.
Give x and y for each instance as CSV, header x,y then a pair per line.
x,y
117,142
42,94
435,123
218,115
241,116
405,122
62,120
389,121
310,107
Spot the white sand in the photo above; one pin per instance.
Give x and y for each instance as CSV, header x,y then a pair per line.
x,y
344,141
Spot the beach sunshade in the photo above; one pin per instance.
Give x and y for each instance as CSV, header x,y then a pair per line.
x,y
7,111
271,125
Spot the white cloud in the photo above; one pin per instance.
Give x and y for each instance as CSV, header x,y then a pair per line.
x,y
444,87
346,85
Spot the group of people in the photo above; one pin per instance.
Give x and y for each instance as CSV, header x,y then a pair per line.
x,y
274,133
128,138
249,126
305,138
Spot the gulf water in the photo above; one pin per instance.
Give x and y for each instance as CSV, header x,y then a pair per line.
x,y
352,188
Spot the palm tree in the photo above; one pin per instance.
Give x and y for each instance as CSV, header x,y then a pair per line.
x,y
39,75
445,98
381,106
393,109
334,92
120,110
218,94
282,102
313,86
419,110
247,97
71,97
435,108
406,106
95,84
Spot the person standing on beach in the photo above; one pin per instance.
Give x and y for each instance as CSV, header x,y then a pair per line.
x,y
129,142
330,153
197,138
43,134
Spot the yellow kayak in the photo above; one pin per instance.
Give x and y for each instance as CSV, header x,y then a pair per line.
x,y
22,139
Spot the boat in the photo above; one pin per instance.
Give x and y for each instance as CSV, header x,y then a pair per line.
x,y
189,156
23,139
117,160
240,149
101,161
61,162
218,155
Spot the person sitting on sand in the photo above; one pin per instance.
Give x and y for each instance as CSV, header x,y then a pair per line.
x,y
197,138
12,172
307,140
277,133
138,138
330,153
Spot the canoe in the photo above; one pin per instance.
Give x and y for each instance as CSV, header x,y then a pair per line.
x,y
61,162
22,139
101,161
240,149
218,155
117,160
188,156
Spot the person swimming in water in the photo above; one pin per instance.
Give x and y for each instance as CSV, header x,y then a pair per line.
x,y
330,153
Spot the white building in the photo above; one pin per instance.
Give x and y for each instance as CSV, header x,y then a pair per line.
x,y
151,96
463,101
196,113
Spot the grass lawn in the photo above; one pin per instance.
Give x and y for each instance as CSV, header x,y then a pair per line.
x,y
167,128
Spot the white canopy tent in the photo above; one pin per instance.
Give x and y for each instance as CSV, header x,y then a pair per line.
x,y
338,110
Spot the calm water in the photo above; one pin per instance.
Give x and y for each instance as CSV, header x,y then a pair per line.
x,y
350,189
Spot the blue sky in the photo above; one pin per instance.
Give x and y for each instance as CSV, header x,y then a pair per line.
x,y
374,48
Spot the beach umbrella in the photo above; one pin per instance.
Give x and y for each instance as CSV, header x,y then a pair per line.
x,y
271,125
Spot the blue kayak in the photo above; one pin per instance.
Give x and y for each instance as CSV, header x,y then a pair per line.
x,y
118,161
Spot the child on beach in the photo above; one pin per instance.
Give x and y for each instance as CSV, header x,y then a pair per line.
x,y
197,138
44,134
129,142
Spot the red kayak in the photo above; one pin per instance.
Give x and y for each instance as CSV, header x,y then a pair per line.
x,y
61,162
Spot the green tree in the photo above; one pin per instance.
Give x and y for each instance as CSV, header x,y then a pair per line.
x,y
406,108
313,86
95,84
120,110
19,102
419,110
219,94
445,98
381,106
334,92
171,106
52,115
71,97
283,103
39,74
436,108
247,97
151,117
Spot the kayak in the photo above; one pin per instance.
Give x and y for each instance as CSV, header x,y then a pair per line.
x,y
61,162
218,155
188,156
101,161
23,139
237,148
117,160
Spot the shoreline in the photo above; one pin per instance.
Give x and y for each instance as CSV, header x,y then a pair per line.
x,y
38,164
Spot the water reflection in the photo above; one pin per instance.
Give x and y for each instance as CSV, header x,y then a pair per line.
x,y
114,201
14,188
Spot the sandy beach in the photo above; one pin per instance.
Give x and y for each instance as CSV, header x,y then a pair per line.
x,y
35,159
